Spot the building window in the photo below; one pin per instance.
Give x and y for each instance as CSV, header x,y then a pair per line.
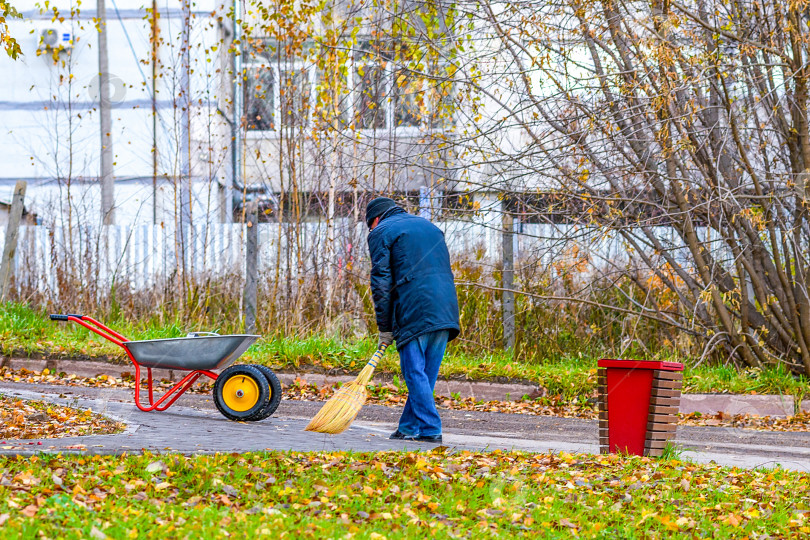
x,y
371,93
260,99
295,93
423,99
333,98
370,96
277,98
409,93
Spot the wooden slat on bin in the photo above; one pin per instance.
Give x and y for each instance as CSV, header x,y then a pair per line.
x,y
673,379
669,385
665,401
661,426
659,410
666,392
660,435
658,445
664,408
655,448
663,374
662,418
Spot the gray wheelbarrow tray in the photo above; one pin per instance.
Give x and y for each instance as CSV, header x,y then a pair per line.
x,y
198,353
195,352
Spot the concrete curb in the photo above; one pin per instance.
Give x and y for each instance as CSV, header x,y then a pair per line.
x,y
710,404
756,405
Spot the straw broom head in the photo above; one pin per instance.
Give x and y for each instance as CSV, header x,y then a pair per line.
x,y
339,412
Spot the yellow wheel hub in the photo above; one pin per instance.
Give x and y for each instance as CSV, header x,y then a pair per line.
x,y
240,393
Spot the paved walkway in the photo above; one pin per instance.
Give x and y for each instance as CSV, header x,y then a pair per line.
x,y
194,426
758,405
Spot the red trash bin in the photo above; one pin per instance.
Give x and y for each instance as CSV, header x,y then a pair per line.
x,y
638,405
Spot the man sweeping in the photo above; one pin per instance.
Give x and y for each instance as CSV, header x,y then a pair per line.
x,y
415,304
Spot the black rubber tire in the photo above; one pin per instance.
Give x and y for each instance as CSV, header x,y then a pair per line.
x,y
275,393
241,371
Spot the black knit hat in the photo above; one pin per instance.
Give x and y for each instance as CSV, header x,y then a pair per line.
x,y
378,207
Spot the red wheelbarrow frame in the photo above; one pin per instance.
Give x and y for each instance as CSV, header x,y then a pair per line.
x,y
109,334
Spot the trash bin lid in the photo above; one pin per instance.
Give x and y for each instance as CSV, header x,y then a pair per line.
x,y
639,364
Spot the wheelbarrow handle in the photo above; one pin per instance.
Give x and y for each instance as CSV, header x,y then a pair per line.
x,y
61,317
94,326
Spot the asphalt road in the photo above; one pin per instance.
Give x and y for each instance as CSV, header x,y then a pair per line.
x,y
194,426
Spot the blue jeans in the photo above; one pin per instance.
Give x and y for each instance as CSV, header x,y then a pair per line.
x,y
419,360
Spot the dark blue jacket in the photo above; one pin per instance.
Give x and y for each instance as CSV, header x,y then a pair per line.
x,y
411,279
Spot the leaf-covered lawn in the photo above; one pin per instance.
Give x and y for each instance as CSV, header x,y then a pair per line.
x,y
394,495
31,419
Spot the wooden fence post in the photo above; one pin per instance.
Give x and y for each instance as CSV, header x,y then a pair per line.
x,y
508,297
249,299
10,246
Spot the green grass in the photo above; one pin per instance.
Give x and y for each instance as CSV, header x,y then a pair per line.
x,y
394,495
729,379
25,332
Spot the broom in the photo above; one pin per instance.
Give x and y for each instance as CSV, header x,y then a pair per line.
x,y
339,412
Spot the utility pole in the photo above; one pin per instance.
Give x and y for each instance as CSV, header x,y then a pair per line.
x,y
154,40
250,297
238,99
185,179
107,181
508,298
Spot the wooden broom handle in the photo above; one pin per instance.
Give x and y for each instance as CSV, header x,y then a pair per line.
x,y
377,355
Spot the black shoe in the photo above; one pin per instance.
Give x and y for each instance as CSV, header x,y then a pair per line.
x,y
399,436
429,438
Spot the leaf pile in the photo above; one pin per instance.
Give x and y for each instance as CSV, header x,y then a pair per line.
x,y
395,495
39,420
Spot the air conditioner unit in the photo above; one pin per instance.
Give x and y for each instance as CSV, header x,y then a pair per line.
x,y
55,38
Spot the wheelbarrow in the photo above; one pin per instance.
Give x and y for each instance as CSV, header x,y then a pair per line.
x,y
246,392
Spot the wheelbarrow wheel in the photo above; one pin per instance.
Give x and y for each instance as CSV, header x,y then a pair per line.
x,y
241,392
275,392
